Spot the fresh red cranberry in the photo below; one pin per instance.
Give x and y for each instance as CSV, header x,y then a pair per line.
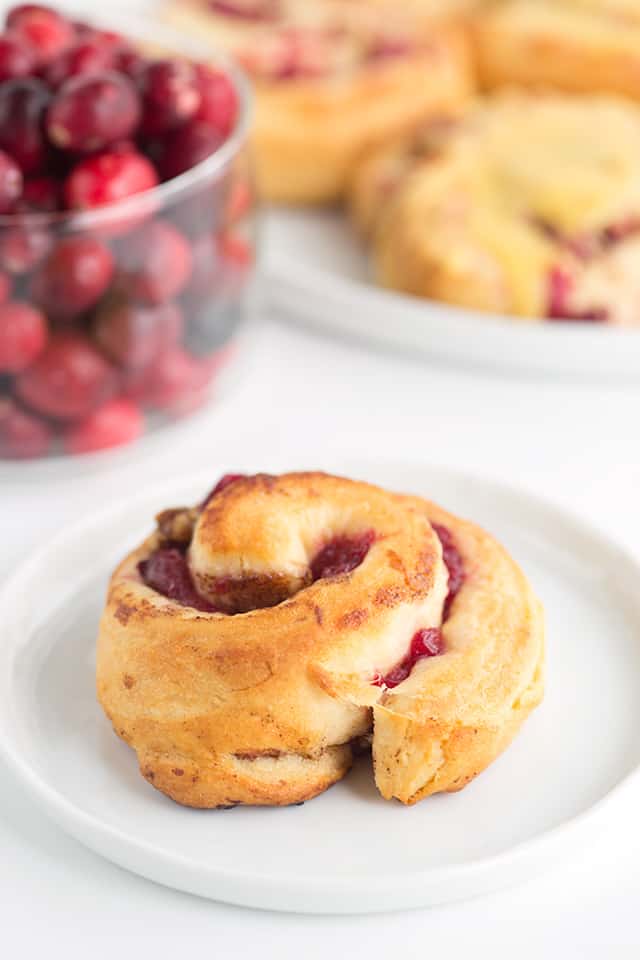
x,y
113,424
218,99
157,262
10,182
67,381
108,177
43,29
167,572
22,436
23,104
82,59
90,112
341,555
132,336
170,95
247,9
74,276
453,562
188,146
425,643
40,195
170,383
16,58
226,481
23,246
23,335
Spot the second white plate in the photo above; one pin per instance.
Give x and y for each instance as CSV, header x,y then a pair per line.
x,y
317,272
348,850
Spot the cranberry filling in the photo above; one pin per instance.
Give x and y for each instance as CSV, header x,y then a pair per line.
x,y
341,555
221,485
246,9
167,572
560,286
429,642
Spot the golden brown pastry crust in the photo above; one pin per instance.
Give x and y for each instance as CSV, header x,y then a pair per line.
x,y
528,206
309,132
586,46
267,707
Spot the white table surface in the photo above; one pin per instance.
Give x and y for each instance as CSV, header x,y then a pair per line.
x,y
307,399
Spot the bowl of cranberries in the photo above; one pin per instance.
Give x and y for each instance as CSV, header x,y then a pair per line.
x,y
126,233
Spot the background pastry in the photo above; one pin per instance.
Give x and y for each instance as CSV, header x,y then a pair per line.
x,y
332,77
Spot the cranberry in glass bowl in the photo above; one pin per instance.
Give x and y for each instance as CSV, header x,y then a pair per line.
x,y
127,238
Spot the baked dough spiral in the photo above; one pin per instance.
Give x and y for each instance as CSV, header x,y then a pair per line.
x,y
252,645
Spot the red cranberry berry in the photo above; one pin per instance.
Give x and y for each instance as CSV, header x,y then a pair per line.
x,y
67,381
40,195
167,572
157,262
341,555
10,182
108,177
90,112
82,59
226,481
130,62
22,247
74,276
22,108
41,28
169,383
22,436
188,146
115,423
218,99
128,334
23,335
170,95
16,58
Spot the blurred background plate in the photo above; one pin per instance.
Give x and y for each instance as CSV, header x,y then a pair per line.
x,y
317,272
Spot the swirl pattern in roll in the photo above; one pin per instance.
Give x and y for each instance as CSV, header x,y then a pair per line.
x,y
254,644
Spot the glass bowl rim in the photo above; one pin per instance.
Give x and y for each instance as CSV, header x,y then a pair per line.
x,y
163,193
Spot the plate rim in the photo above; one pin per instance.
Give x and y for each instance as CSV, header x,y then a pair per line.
x,y
275,891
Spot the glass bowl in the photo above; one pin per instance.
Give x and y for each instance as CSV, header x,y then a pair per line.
x,y
143,299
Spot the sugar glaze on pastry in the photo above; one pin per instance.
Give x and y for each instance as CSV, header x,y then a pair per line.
x,y
252,644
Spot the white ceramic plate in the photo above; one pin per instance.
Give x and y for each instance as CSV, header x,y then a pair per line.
x,y
317,272
348,850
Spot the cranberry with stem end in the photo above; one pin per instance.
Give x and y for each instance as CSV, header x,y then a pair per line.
x,y
82,59
16,58
22,108
22,436
73,277
170,95
44,30
90,112
23,335
157,262
115,423
67,381
10,182
188,146
107,178
218,99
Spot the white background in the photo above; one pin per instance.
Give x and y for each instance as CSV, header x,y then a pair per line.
x,y
301,396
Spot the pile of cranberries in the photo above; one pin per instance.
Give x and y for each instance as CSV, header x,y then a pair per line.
x,y
115,310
